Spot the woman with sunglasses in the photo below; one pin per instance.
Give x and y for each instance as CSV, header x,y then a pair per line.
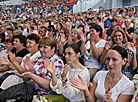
x,y
108,86
73,69
118,37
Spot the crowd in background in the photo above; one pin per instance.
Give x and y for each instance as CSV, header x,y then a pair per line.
x,y
63,52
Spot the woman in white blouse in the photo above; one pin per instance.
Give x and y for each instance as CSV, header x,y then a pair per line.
x,y
74,67
109,86
93,49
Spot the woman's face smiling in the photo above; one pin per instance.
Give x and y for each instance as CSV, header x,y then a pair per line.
x,y
46,51
31,45
118,37
74,35
17,44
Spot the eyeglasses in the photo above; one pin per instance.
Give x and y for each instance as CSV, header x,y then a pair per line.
x,y
69,53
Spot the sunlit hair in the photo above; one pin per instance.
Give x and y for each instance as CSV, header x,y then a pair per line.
x,y
21,38
78,32
34,37
49,42
66,32
123,33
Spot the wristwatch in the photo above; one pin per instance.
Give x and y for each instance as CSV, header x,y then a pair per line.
x,y
65,80
92,42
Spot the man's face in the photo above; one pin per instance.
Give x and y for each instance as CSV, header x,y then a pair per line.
x,y
42,32
113,23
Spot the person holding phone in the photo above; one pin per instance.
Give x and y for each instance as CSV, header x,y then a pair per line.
x,y
93,49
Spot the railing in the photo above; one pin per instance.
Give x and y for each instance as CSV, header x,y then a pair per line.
x,y
96,6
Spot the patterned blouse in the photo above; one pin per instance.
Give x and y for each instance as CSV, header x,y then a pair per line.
x,y
40,70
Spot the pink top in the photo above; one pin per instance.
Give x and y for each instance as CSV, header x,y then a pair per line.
x,y
119,24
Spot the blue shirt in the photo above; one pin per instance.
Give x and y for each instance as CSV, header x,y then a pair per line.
x,y
107,22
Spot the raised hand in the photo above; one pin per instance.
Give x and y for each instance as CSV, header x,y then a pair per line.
x,y
69,39
79,84
83,37
107,45
50,67
28,64
136,98
92,37
12,57
131,47
107,95
63,38
65,71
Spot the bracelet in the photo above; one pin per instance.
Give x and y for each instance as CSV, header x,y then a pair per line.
x,y
65,80
91,42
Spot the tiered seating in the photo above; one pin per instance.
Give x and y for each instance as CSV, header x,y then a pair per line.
x,y
55,2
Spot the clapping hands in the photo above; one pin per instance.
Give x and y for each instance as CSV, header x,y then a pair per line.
x,y
107,96
28,64
50,67
107,45
131,47
83,37
65,71
79,84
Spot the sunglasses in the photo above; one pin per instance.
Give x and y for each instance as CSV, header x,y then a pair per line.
x,y
69,53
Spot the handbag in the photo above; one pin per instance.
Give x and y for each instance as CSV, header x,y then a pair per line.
x,y
23,92
41,99
11,81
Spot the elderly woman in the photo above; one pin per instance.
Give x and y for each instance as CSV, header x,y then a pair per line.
x,y
32,46
40,75
109,86
19,44
118,37
129,30
119,21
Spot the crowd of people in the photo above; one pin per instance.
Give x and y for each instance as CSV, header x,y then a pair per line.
x,y
66,53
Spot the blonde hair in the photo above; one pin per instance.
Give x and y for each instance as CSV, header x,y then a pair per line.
x,y
68,24
78,32
123,33
49,42
128,20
